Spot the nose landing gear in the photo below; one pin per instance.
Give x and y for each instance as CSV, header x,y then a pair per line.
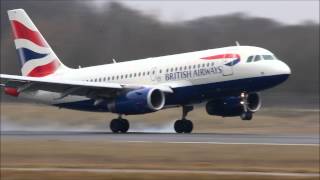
x,y
247,114
184,125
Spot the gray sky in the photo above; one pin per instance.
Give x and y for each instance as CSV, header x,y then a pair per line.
x,y
290,12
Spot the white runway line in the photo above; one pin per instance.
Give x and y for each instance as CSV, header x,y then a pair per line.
x,y
222,143
150,171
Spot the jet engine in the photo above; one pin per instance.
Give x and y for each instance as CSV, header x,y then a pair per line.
x,y
234,105
139,101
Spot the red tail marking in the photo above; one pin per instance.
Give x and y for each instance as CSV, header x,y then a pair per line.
x,y
44,70
20,31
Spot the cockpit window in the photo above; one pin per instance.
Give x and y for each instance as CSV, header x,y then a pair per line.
x,y
267,57
250,59
257,58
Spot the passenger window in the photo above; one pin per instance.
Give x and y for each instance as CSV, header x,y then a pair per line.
x,y
257,58
250,59
267,57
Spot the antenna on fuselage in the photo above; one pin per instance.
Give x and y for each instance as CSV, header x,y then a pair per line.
x,y
237,43
114,61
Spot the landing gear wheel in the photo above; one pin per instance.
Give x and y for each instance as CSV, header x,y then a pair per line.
x,y
246,116
119,125
178,126
125,125
183,126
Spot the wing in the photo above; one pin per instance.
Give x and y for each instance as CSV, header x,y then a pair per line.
x,y
70,87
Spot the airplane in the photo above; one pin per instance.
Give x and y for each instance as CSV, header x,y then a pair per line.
x,y
227,79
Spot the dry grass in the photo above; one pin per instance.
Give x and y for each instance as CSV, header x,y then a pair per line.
x,y
102,154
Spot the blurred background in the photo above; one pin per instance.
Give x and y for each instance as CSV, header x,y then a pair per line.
x,y
85,33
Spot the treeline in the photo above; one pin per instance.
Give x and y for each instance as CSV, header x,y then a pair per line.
x,y
82,36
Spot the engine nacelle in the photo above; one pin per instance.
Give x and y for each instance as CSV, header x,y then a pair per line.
x,y
139,101
233,106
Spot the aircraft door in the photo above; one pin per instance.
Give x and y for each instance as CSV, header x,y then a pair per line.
x,y
155,75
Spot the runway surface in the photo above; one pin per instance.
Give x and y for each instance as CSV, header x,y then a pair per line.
x,y
196,138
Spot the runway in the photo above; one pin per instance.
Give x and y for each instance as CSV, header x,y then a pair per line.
x,y
196,138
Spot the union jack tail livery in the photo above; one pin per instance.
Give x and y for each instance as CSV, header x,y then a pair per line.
x,y
36,56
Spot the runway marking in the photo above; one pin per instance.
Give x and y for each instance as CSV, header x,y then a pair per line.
x,y
152,171
222,143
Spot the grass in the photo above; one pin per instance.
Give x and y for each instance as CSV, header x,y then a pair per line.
x,y
11,175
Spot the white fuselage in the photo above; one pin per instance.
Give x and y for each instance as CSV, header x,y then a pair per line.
x,y
176,71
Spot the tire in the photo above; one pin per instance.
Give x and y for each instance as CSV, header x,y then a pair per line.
x,y
125,125
178,126
183,126
246,116
188,126
115,126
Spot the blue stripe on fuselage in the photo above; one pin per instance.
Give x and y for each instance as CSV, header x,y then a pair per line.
x,y
198,93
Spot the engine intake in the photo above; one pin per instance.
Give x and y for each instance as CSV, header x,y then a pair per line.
x,y
253,102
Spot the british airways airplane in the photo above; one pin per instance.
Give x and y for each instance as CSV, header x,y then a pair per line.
x,y
226,79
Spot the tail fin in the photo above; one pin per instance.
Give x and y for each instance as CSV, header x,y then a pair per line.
x,y
36,56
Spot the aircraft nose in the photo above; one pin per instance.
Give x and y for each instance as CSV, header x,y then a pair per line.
x,y
285,69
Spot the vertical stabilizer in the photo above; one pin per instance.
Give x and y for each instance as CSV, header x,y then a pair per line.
x,y
36,56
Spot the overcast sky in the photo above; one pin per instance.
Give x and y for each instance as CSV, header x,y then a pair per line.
x,y
290,12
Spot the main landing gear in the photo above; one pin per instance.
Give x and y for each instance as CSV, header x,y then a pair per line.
x,y
119,125
183,125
